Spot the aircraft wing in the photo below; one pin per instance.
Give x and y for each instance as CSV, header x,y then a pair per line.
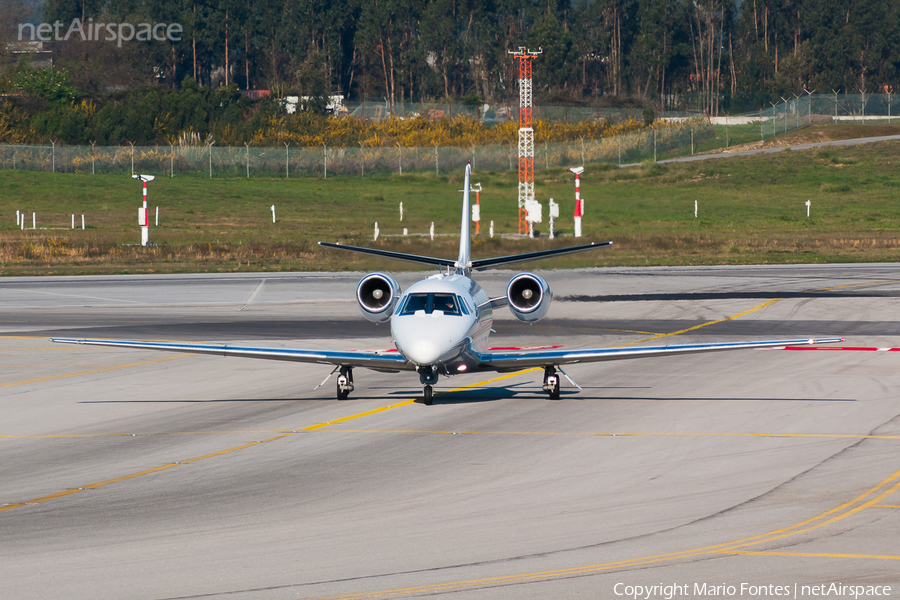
x,y
380,361
512,361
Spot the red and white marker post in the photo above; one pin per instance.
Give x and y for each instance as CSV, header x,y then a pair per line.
x,y
579,203
143,213
476,210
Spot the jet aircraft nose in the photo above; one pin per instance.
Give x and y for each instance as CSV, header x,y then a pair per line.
x,y
424,352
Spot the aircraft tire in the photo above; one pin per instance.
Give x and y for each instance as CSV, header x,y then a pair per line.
x,y
428,395
554,390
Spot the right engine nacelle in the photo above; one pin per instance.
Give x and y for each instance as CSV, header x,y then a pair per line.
x,y
377,294
528,297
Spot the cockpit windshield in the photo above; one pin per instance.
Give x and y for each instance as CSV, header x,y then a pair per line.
x,y
446,303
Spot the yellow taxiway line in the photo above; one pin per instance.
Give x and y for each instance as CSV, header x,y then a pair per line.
x,y
283,435
64,375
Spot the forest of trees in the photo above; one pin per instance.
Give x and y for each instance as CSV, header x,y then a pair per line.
x,y
714,55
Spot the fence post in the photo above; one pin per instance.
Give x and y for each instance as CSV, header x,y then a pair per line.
x,y
247,147
210,158
171,161
862,103
132,159
287,170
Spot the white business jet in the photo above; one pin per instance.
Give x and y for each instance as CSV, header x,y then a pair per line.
x,y
440,325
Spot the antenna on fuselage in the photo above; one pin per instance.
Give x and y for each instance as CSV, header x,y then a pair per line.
x,y
464,262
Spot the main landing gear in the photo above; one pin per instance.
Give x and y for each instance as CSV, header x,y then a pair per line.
x,y
551,382
345,383
428,377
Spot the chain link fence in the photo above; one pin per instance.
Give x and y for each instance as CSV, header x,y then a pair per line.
x,y
287,161
490,114
818,108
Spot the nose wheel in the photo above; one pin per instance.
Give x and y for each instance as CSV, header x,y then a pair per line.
x,y
428,376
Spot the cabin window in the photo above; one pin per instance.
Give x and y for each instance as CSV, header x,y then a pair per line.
x,y
463,305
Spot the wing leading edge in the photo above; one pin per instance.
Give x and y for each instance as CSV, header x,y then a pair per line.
x,y
513,361
371,360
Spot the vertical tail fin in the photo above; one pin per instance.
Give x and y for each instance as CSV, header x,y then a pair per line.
x,y
464,262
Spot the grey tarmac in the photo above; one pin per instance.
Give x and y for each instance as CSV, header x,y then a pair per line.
x,y
153,476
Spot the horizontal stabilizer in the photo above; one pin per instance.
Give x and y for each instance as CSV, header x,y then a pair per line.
x,y
413,258
491,263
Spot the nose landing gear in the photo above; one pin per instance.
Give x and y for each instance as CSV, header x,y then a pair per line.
x,y
428,376
551,382
345,383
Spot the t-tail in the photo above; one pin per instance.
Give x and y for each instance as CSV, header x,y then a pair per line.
x,y
464,262
464,265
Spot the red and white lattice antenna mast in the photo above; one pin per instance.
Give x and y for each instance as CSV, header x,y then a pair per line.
x,y
526,134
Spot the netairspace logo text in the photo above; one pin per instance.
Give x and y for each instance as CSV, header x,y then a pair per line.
x,y
100,32
674,590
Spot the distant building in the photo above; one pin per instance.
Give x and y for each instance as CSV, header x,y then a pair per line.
x,y
41,52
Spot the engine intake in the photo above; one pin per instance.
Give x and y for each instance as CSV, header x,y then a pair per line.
x,y
528,297
377,294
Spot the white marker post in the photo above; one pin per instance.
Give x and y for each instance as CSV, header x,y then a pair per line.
x,y
579,203
143,215
82,222
492,229
432,231
34,220
476,210
157,216
554,213
272,208
695,209
401,212
376,231
808,204
18,217
73,221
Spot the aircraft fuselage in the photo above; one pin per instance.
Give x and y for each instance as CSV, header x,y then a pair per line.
x,y
440,322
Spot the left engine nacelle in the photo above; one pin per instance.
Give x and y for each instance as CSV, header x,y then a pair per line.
x,y
377,294
528,297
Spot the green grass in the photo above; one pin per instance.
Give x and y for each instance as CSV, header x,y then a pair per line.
x,y
751,210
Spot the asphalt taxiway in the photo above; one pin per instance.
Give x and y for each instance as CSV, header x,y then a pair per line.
x,y
137,474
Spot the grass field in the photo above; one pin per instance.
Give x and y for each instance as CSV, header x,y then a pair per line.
x,y
751,210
